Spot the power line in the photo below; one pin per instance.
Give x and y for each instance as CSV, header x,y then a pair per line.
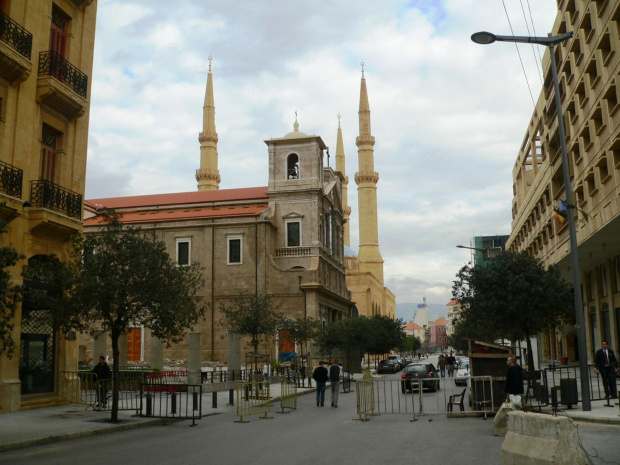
x,y
529,34
518,53
534,29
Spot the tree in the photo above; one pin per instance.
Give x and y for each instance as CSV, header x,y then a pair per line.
x,y
121,277
513,297
302,330
411,344
10,294
252,315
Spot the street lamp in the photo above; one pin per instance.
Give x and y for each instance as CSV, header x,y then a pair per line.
x,y
470,248
485,38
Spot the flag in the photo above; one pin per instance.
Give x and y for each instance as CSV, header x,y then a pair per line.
x,y
563,208
559,217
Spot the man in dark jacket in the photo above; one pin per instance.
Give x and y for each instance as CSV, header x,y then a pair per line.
x,y
606,362
514,381
334,381
321,376
104,375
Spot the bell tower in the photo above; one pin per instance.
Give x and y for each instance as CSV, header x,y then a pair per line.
x,y
208,176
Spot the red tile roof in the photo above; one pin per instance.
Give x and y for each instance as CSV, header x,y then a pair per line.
x,y
184,214
412,325
438,322
222,195
453,302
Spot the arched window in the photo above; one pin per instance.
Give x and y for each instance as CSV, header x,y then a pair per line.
x,y
292,166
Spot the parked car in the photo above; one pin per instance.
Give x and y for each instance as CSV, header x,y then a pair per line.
x,y
397,359
462,373
416,372
387,366
406,361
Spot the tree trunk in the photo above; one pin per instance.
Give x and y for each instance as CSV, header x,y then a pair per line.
x,y
115,374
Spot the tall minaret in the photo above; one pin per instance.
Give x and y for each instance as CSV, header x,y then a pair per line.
x,y
340,166
208,176
366,179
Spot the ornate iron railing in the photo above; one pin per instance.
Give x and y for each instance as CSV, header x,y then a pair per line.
x,y
15,35
11,180
46,194
52,64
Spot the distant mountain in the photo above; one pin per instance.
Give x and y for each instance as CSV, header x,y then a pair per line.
x,y
407,310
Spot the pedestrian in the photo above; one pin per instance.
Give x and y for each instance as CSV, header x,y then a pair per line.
x,y
321,376
450,360
441,363
334,381
606,364
514,382
266,370
104,375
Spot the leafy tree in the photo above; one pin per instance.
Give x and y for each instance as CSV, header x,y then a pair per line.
x,y
10,294
119,277
411,344
252,315
302,330
513,297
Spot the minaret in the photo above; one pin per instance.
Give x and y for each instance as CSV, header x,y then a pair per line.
x,y
340,166
208,176
366,179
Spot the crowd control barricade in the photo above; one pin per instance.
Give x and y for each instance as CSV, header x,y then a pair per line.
x,y
288,396
157,401
481,394
77,387
253,399
365,399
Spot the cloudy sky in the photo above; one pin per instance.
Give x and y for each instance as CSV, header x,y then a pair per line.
x,y
448,115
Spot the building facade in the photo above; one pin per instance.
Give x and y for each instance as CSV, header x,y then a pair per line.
x,y
46,60
589,75
286,239
453,310
438,340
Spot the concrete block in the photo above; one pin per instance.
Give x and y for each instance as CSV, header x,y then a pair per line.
x,y
500,425
535,438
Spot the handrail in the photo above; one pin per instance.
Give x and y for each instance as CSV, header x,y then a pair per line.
x,y
53,64
15,35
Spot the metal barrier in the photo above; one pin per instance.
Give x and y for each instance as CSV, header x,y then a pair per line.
x,y
78,387
253,399
288,396
365,399
481,394
156,400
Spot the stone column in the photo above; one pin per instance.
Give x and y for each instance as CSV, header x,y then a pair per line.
x,y
234,351
157,353
100,345
194,360
122,350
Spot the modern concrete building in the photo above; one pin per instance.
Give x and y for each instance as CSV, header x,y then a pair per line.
x,y
286,239
46,60
589,75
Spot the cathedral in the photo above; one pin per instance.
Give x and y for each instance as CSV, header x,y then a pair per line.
x,y
289,239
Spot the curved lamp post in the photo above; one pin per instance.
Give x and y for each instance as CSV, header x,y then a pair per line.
x,y
485,38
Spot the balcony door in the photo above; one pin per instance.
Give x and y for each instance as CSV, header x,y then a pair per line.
x,y
58,31
48,154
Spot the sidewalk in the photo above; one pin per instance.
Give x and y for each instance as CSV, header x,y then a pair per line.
x,y
53,424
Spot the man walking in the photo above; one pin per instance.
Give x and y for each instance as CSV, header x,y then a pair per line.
x,y
442,365
606,363
514,382
451,360
334,380
321,376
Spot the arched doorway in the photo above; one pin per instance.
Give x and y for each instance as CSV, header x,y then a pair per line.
x,y
37,361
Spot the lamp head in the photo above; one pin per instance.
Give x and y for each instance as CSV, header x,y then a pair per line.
x,y
483,37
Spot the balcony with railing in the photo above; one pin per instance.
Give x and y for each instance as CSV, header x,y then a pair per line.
x,y
11,180
61,85
46,194
15,50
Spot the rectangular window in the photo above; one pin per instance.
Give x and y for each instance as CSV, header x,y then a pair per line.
x,y
293,233
48,153
183,252
234,250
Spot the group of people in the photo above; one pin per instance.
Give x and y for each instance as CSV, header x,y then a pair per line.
x,y
448,362
321,375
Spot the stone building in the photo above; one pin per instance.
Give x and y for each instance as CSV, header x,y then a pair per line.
x,y
438,340
46,60
589,74
453,309
285,239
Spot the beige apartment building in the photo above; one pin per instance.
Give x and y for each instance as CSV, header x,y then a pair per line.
x,y
589,75
46,60
286,239
453,309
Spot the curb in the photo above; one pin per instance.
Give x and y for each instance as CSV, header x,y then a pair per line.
x,y
78,434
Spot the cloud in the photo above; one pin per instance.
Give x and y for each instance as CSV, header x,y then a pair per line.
x,y
448,115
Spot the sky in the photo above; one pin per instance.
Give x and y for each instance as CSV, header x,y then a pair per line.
x,y
448,115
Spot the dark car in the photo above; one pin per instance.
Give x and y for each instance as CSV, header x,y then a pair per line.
x,y
414,372
388,366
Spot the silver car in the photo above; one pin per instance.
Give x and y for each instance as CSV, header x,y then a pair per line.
x,y
462,373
